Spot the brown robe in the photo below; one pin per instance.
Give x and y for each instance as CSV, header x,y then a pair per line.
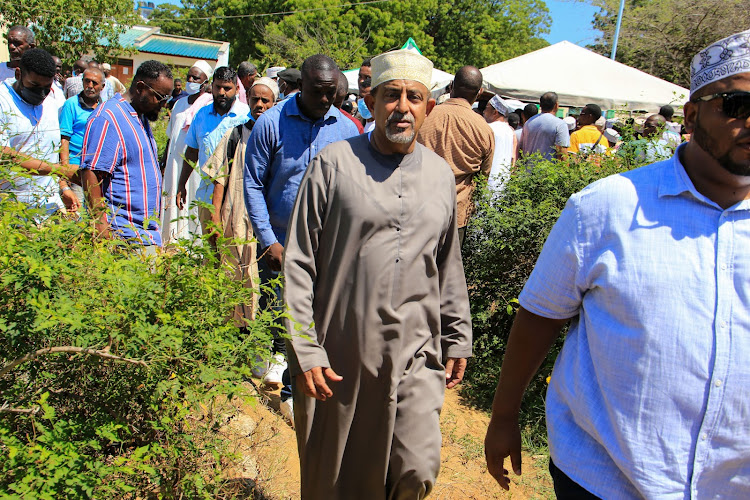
x,y
374,279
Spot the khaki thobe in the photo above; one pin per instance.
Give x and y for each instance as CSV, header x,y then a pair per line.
x,y
374,279
234,218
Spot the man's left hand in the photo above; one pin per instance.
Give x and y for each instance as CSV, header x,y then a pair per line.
x,y
70,200
454,371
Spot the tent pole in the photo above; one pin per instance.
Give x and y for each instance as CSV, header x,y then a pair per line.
x,y
617,30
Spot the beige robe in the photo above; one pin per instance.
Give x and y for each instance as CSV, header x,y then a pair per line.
x,y
234,218
374,278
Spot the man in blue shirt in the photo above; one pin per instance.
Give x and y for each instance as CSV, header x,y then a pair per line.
x,y
120,165
206,130
649,395
284,141
545,133
73,117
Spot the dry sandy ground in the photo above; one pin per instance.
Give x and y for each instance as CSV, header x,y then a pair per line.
x,y
271,461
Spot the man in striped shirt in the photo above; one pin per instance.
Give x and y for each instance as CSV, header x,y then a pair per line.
x,y
119,160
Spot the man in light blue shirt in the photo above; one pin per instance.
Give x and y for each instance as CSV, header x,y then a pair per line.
x,y
206,130
649,396
545,133
284,141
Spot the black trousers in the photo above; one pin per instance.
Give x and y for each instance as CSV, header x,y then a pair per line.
x,y
566,488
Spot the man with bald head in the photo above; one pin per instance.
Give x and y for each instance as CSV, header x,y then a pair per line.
x,y
649,395
20,39
283,142
461,136
650,147
375,290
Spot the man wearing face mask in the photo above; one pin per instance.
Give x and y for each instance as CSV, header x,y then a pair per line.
x,y
368,121
120,164
175,223
284,141
207,129
30,133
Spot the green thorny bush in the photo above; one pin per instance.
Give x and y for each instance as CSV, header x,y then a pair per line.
x,y
503,242
113,364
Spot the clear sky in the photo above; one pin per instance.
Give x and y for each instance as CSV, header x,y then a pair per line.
x,y
571,21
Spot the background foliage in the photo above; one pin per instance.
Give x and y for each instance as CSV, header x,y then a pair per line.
x,y
79,424
661,37
503,242
69,29
478,32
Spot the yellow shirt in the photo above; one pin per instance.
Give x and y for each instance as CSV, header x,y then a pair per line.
x,y
585,138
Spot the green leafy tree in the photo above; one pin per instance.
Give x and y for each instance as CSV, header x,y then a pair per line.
x,y
478,32
661,37
69,29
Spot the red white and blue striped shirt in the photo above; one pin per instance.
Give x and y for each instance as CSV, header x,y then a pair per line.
x,y
120,143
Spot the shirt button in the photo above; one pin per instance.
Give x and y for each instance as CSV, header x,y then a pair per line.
x,y
723,324
396,260
717,383
398,229
704,436
723,267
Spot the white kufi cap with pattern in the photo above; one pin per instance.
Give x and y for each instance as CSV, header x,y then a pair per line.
x,y
727,57
498,103
401,65
204,67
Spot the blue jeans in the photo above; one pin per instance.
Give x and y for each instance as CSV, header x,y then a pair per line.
x,y
273,299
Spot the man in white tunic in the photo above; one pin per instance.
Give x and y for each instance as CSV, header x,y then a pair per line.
x,y
506,144
375,286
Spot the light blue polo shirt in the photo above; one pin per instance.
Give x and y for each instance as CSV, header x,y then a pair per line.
x,y
205,132
73,117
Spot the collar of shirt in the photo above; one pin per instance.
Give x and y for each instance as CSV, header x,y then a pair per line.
x,y
675,181
82,102
292,108
458,101
232,111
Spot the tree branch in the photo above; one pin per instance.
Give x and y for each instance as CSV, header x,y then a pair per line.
x,y
68,349
21,411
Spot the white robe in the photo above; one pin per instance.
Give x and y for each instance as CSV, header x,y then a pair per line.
x,y
176,224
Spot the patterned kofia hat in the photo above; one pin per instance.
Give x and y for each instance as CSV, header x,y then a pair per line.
x,y
401,65
727,57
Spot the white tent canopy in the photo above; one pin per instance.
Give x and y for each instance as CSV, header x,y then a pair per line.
x,y
580,76
439,78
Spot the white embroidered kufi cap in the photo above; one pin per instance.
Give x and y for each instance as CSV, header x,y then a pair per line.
x,y
570,121
401,65
727,57
273,71
270,83
498,103
612,135
204,67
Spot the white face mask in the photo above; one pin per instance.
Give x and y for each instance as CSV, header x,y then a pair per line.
x,y
193,87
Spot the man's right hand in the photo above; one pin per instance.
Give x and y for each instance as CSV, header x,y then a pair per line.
x,y
273,255
313,382
503,440
180,197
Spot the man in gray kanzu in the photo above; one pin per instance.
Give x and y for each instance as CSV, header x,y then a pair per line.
x,y
376,290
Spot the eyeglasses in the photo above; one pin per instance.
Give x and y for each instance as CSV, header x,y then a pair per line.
x,y
162,97
734,104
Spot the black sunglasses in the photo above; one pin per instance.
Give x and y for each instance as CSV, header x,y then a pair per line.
x,y
734,104
161,97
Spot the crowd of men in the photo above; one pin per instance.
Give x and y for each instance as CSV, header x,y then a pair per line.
x,y
360,205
